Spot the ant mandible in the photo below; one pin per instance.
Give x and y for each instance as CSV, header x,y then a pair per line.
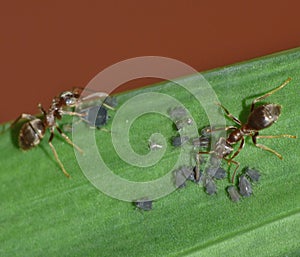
x,y
259,118
33,131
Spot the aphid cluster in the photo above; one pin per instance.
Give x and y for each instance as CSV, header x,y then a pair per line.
x,y
95,114
206,177
33,131
260,117
181,120
244,186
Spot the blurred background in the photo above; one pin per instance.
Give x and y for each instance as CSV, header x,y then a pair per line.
x,y
47,47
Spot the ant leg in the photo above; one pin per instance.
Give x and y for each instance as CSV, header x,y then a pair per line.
x,y
229,115
72,113
56,155
270,150
269,93
197,170
68,139
99,95
277,136
208,130
237,167
230,160
42,109
23,116
265,147
210,152
108,106
238,151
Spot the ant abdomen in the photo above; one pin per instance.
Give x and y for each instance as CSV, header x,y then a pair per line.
x,y
31,134
264,116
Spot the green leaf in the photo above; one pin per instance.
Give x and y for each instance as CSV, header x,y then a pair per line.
x,y
45,214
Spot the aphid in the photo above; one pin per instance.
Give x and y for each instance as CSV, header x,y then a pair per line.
x,y
259,118
154,146
144,204
180,124
201,142
177,113
233,193
210,186
210,171
110,101
254,175
95,116
214,160
181,175
245,186
93,108
220,173
179,141
215,172
33,131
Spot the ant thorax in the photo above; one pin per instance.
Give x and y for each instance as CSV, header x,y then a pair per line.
x,y
50,118
235,136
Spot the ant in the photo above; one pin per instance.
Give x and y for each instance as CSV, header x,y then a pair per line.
x,y
33,131
259,118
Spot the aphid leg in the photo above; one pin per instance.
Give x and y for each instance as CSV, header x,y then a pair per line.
x,y
269,93
229,115
265,147
23,116
68,139
56,155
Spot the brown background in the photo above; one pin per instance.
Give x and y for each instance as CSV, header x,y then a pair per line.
x,y
50,46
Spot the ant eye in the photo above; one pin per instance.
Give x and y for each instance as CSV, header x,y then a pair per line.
x,y
70,101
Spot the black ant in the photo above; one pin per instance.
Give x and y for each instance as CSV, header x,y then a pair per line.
x,y
259,118
33,131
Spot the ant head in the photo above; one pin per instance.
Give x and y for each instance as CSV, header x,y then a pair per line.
x,y
69,98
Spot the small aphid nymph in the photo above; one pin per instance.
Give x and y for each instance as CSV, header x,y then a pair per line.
x,y
144,204
233,193
210,186
254,175
179,141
